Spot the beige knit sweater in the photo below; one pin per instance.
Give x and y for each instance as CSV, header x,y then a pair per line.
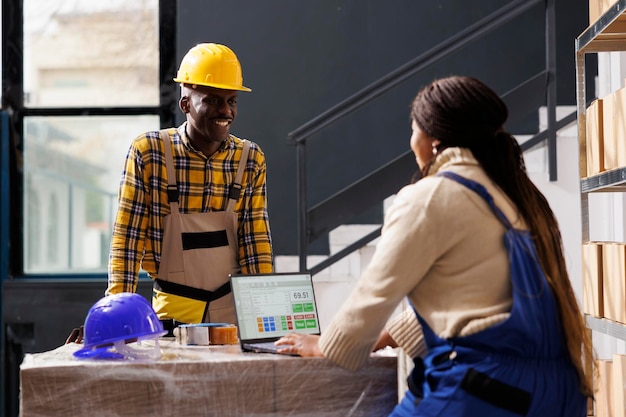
x,y
441,247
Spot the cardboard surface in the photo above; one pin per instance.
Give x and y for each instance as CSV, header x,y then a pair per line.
x,y
609,121
598,7
204,381
603,393
618,385
620,127
593,303
614,281
595,138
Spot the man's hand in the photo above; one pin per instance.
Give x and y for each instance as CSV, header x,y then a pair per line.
x,y
76,336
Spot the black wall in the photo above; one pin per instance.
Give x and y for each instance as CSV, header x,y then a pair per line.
x,y
302,57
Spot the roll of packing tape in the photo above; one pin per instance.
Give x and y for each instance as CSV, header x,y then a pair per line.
x,y
196,334
223,335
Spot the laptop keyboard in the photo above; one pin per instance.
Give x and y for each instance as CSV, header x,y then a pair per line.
x,y
262,347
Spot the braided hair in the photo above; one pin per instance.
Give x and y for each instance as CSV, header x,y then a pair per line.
x,y
464,112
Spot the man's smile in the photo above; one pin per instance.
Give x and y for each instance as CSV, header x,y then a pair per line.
x,y
222,122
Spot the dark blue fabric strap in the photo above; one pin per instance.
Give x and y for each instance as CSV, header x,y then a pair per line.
x,y
534,309
482,191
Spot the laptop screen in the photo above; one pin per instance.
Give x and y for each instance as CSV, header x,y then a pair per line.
x,y
273,305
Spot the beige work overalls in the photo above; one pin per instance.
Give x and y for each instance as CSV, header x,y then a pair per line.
x,y
198,253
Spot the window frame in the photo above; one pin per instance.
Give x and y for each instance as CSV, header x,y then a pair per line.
x,y
11,244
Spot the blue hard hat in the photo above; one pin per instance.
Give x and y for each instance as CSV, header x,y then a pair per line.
x,y
124,317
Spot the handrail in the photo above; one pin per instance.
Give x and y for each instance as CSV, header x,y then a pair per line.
x,y
345,251
5,190
384,84
546,80
542,136
374,187
528,95
530,143
362,194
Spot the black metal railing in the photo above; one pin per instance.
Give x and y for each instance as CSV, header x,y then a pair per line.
x,y
343,206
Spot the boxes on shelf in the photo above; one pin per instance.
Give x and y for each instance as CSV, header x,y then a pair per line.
x,y
620,127
618,386
609,108
603,389
594,138
589,365
593,303
597,8
613,280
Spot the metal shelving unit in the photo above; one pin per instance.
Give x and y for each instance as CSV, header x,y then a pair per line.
x,y
607,34
606,326
609,181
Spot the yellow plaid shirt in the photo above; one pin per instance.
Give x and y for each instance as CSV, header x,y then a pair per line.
x,y
203,185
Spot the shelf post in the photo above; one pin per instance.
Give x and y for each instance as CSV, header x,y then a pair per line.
x,y
551,93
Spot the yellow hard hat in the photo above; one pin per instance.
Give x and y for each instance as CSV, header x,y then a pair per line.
x,y
213,65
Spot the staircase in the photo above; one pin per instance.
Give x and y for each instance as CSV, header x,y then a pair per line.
x,y
333,284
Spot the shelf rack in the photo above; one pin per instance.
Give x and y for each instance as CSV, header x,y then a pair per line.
x,y
607,34
606,326
609,181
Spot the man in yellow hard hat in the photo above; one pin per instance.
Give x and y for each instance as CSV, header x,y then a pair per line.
x,y
192,200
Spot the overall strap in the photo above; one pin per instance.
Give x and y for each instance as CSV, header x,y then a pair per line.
x,y
172,189
480,190
235,189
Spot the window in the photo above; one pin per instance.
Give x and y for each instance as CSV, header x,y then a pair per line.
x,y
86,53
82,54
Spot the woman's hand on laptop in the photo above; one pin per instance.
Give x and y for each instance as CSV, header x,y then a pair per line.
x,y
299,344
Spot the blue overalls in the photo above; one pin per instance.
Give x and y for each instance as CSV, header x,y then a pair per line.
x,y
519,367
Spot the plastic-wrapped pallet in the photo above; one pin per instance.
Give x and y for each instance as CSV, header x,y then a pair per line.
x,y
204,381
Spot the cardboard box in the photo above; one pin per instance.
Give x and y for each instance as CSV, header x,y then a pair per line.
x,y
613,281
609,107
589,369
594,138
620,127
618,385
597,8
204,381
603,389
593,303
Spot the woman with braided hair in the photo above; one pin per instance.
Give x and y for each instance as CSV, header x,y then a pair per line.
x,y
495,328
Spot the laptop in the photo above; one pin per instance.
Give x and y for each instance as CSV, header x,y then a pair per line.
x,y
269,306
